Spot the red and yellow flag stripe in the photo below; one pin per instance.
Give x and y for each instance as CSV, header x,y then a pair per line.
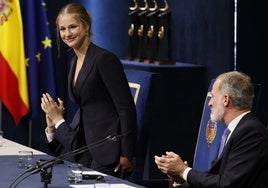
x,y
13,76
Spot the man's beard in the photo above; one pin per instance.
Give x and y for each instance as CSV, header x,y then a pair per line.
x,y
217,115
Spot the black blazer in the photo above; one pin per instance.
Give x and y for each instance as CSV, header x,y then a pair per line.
x,y
106,107
243,163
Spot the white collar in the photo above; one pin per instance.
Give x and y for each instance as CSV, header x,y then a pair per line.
x,y
232,125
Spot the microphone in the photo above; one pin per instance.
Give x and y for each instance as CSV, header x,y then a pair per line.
x,y
42,166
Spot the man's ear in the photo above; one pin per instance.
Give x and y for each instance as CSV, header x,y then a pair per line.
x,y
226,100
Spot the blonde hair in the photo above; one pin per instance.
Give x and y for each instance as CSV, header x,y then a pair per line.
x,y
79,13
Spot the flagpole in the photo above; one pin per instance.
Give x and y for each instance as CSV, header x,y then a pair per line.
x,y
30,133
0,115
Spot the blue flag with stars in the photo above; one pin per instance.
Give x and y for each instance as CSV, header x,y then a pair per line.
x,y
38,49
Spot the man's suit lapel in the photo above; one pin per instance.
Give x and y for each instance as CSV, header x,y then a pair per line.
x,y
216,163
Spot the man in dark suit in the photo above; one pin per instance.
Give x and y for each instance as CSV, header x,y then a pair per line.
x,y
243,162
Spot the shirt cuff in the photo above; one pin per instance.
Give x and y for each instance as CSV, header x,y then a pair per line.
x,y
175,184
59,122
49,136
185,173
184,176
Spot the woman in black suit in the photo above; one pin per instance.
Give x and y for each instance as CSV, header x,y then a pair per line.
x,y
243,162
97,83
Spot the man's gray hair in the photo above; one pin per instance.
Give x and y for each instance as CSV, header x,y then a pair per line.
x,y
239,87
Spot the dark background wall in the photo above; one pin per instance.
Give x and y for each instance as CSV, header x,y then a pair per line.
x,y
202,34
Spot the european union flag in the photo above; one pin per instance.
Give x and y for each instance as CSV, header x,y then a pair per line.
x,y
38,49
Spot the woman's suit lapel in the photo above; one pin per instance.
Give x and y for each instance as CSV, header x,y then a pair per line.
x,y
85,70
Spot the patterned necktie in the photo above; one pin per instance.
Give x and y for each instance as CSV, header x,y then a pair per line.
x,y
223,140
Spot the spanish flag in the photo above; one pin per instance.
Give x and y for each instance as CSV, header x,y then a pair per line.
x,y
13,77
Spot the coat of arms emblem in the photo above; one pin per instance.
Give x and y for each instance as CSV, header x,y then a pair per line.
x,y
211,131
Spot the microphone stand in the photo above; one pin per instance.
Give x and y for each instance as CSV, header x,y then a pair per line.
x,y
46,176
42,167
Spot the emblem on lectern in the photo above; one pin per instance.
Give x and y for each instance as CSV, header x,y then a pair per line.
x,y
211,131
